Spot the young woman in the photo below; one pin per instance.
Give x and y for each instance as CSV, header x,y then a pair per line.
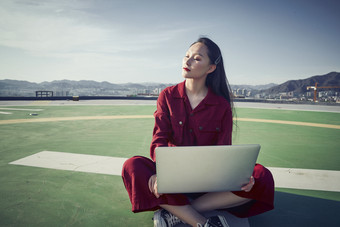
x,y
198,112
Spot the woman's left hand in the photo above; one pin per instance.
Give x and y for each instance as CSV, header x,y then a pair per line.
x,y
249,186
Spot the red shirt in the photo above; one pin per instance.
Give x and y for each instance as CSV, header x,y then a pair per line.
x,y
177,124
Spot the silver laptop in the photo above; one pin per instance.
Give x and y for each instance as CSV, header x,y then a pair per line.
x,y
204,168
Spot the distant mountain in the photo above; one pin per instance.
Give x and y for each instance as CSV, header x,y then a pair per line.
x,y
70,84
252,87
14,84
94,88
18,88
70,87
300,86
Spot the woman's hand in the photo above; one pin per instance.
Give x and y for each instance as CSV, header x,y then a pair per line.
x,y
249,186
153,186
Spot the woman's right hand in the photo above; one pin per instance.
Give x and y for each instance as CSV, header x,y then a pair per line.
x,y
153,185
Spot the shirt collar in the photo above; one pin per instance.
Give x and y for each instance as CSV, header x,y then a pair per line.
x,y
210,99
180,91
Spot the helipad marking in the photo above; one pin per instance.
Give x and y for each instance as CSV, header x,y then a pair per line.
x,y
290,123
5,112
79,118
5,108
74,162
36,120
309,179
40,102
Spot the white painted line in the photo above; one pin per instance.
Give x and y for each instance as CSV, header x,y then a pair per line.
x,y
5,112
74,162
3,108
308,179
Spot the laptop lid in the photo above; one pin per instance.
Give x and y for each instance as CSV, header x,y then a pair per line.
x,y
191,169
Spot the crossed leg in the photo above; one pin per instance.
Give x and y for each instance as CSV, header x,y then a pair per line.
x,y
191,214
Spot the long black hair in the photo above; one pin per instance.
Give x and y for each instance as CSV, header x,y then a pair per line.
x,y
217,80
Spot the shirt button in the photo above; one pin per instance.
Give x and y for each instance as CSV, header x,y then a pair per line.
x,y
180,122
192,114
190,130
218,129
200,128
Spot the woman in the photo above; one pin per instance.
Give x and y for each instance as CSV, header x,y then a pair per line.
x,y
195,112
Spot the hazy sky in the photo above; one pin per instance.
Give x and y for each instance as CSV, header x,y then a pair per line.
x,y
262,41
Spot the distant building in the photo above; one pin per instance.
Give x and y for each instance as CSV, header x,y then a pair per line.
x,y
62,93
44,94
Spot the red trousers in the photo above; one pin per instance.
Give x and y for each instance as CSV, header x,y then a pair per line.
x,y
137,171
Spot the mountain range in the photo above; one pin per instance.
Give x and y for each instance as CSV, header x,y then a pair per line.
x,y
88,87
300,86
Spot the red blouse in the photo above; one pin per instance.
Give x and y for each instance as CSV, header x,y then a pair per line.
x,y
177,124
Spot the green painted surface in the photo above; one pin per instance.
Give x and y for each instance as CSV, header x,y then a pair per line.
x,y
32,196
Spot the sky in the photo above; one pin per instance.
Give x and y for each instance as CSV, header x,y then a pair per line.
x,y
121,41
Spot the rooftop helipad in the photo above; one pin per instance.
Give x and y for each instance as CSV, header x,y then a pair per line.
x,y
301,147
